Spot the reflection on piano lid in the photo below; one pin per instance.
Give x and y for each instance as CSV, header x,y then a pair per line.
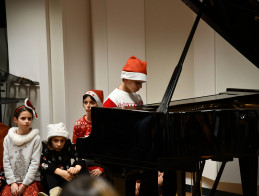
x,y
231,99
10,78
237,21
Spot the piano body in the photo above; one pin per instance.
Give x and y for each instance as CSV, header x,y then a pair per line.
x,y
175,135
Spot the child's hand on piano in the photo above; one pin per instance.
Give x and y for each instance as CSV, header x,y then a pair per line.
x,y
95,172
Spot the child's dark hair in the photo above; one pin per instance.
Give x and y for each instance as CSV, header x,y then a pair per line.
x,y
86,95
21,109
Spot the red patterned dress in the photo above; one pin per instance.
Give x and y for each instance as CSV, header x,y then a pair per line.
x,y
83,128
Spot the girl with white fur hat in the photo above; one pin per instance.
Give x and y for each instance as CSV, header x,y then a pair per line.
x,y
59,159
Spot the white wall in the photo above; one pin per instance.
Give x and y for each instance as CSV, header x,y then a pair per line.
x,y
204,61
78,63
28,56
168,24
233,70
118,33
100,46
57,71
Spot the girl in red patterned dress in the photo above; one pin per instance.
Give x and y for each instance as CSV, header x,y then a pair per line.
x,y
83,126
22,150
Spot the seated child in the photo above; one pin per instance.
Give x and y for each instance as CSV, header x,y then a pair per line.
x,y
83,126
22,148
59,160
133,75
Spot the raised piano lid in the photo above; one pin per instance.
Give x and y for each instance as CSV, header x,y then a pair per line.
x,y
237,21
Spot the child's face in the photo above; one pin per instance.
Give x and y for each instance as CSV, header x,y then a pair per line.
x,y
24,121
133,85
89,103
58,143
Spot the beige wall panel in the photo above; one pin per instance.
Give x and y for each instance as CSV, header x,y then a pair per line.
x,y
126,37
100,45
204,61
78,63
28,55
168,24
233,70
57,61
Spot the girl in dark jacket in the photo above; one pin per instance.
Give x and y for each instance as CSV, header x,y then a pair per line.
x,y
59,160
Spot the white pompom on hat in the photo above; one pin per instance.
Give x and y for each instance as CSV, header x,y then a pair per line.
x,y
58,129
135,69
97,95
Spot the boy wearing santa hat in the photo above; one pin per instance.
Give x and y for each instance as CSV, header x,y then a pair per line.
x,y
133,75
83,126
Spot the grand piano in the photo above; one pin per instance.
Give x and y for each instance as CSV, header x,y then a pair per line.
x,y
177,135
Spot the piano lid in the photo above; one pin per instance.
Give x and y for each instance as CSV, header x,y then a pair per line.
x,y
237,21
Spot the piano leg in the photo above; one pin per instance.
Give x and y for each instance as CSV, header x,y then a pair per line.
x,y
248,172
196,187
213,190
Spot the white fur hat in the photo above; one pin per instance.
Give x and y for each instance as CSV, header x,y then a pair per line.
x,y
57,130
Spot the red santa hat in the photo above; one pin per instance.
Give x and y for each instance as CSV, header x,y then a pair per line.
x,y
135,69
27,104
97,95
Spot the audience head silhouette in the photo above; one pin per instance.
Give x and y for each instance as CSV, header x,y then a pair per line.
x,y
88,186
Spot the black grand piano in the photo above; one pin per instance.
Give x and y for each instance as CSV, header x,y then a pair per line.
x,y
176,135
